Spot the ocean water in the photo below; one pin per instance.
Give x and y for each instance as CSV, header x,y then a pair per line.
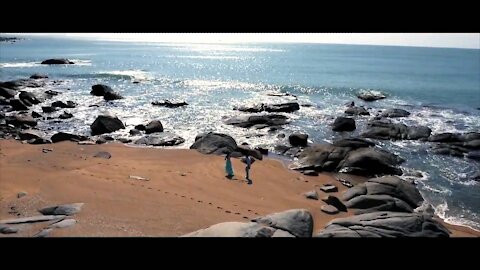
x,y
440,87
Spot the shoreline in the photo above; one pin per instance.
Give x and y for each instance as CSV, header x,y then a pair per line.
x,y
186,190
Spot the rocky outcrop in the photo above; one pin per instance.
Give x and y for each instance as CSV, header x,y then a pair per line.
x,y
386,130
298,222
395,113
258,121
7,92
62,136
61,104
105,91
456,144
370,95
283,107
219,144
57,61
64,209
353,143
344,124
167,103
353,110
38,76
18,105
385,224
161,139
28,98
106,124
388,193
234,229
19,120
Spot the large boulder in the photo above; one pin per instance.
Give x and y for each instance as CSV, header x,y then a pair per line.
x,y
64,209
22,83
154,126
214,143
167,103
385,130
100,90
370,162
298,222
395,113
61,104
344,124
298,139
57,61
112,96
28,98
7,92
245,150
320,157
62,136
370,95
160,139
258,121
385,224
251,109
234,229
38,76
30,134
106,124
283,107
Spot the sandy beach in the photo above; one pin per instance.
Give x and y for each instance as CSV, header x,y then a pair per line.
x,y
185,191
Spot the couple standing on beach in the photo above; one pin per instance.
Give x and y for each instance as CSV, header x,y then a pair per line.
x,y
229,168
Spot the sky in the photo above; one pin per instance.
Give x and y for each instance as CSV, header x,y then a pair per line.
x,y
446,40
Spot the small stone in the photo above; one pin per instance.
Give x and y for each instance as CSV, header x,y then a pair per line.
x,y
329,209
334,201
8,230
329,188
105,155
183,174
310,173
64,209
43,233
21,194
313,195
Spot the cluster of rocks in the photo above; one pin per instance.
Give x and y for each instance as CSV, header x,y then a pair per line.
x,y
58,216
282,107
456,144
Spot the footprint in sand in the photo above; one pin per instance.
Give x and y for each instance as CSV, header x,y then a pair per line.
x,y
237,213
256,213
218,207
210,203
245,217
149,188
249,210
228,212
200,201
183,196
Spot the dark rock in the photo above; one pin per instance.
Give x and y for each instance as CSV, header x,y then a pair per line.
x,y
7,92
298,139
100,90
344,124
245,150
395,113
38,76
100,141
282,149
329,209
22,83
446,137
140,127
30,134
61,104
103,154
320,157
57,61
234,229
370,95
43,233
21,194
332,200
259,121
4,101
476,176
298,222
18,105
62,136
28,98
169,104
108,138
49,109
39,141
154,126
329,188
65,115
263,151
36,115
65,209
52,92
313,195
350,104
474,155
253,109
124,140
284,107
370,161
135,132
385,130
161,139
106,124
353,143
385,224
19,120
8,230
281,136
356,111
112,96
310,173
32,219
452,150
214,143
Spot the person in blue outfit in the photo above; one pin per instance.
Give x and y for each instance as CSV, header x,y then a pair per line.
x,y
248,161
228,167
